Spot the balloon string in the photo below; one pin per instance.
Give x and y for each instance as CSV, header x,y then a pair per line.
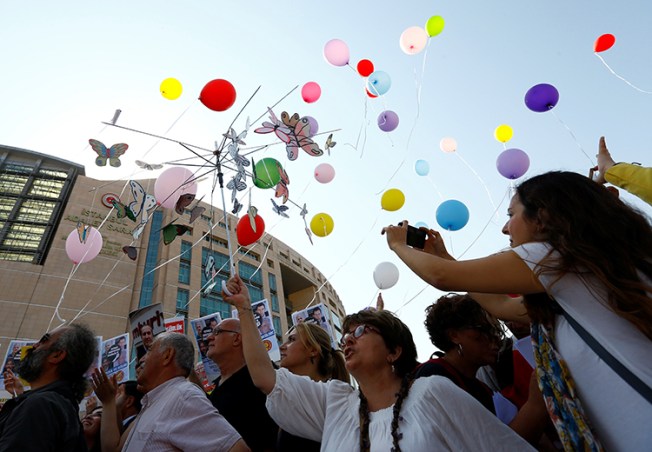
x,y
56,308
574,138
622,78
441,197
168,129
413,298
486,189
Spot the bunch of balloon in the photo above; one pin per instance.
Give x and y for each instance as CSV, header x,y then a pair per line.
x,y
83,244
385,275
322,224
171,184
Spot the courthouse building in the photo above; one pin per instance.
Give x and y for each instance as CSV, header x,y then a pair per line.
x,y
42,199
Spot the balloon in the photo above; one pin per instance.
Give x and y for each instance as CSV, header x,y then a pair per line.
x,y
503,133
387,121
385,275
421,224
435,25
448,145
218,95
321,224
369,93
452,215
336,52
413,40
392,200
267,173
542,97
422,167
379,83
80,253
324,173
171,88
314,125
512,163
603,43
171,184
246,235
310,92
365,67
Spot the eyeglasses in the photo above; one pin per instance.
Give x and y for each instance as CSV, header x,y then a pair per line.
x,y
219,330
46,337
488,331
359,331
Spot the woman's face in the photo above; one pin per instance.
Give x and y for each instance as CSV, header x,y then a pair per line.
x,y
91,423
478,346
366,353
520,229
293,353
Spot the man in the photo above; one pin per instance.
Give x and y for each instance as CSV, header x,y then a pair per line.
x,y
262,319
235,396
46,417
147,336
176,414
128,402
317,317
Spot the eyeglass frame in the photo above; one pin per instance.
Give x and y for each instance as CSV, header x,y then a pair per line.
x,y
358,332
217,330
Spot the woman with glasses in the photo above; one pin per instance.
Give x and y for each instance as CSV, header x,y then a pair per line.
x,y
389,411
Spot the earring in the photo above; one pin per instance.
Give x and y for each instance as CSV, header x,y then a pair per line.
x,y
460,350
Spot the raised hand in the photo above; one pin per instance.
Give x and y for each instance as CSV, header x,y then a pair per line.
x,y
105,387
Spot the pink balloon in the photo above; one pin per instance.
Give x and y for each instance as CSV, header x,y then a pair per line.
x,y
311,92
81,253
314,125
413,40
324,173
448,145
336,52
171,184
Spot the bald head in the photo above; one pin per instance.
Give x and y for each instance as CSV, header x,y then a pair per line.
x,y
225,344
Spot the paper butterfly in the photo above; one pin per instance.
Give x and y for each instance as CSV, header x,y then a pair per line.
x,y
280,209
83,230
210,272
111,154
130,251
299,136
140,206
122,210
237,207
252,212
281,131
330,144
148,166
196,212
282,187
172,231
183,202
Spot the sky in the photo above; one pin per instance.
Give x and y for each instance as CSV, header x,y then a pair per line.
x,y
67,66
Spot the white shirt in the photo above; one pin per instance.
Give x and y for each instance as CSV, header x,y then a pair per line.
x,y
177,415
620,416
436,415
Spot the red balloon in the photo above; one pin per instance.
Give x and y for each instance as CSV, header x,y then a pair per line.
x,y
218,95
246,235
370,94
603,43
365,68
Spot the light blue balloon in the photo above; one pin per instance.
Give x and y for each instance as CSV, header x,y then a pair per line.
x,y
452,215
421,224
379,83
422,167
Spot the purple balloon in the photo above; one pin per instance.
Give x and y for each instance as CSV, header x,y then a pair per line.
x,y
314,125
541,98
387,121
512,163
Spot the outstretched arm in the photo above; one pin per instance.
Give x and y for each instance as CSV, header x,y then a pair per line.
x,y
260,367
502,307
106,388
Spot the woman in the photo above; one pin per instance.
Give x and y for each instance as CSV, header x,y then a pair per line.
x,y
576,243
390,409
308,352
91,425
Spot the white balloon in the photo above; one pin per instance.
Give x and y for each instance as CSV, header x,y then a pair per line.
x,y
385,275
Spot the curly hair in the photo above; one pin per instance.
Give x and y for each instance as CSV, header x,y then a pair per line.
x,y
455,311
591,230
331,362
78,341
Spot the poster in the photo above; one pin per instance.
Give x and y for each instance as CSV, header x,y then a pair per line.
x,y
10,362
319,315
175,325
115,357
265,327
201,329
146,323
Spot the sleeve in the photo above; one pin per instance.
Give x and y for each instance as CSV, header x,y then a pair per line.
x,y
298,404
34,425
199,426
634,178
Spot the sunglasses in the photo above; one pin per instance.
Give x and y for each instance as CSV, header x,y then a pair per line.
x,y
359,331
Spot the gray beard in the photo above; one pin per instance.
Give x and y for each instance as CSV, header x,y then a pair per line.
x,y
31,367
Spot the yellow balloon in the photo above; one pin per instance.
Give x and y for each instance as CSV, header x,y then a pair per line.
x,y
393,199
171,88
434,26
503,133
322,224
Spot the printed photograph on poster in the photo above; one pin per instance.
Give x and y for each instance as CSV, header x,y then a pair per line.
x,y
319,315
115,357
15,350
145,324
265,327
202,328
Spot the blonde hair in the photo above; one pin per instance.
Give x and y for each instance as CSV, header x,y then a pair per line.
x,y
331,362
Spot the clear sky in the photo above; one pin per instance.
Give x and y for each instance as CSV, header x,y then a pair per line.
x,y
67,66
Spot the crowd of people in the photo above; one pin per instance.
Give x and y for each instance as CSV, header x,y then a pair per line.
x,y
580,262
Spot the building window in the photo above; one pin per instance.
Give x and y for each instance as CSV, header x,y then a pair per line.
x,y
253,279
270,263
277,328
272,291
151,257
185,262
183,298
212,302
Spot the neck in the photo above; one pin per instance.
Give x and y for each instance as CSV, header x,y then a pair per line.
x,y
44,379
229,366
380,389
309,370
460,364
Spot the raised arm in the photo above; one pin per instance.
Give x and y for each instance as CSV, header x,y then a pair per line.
x,y
258,362
106,388
502,307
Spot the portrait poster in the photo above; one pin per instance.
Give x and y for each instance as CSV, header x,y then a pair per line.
x,y
115,357
265,327
201,329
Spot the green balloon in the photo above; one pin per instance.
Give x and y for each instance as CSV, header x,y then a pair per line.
x,y
435,25
266,173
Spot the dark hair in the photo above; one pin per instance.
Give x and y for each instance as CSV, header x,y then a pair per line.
x,y
591,229
131,389
455,311
394,332
78,341
331,363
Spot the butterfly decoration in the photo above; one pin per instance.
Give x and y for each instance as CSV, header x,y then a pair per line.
x,y
276,126
235,140
282,191
252,212
122,210
130,251
280,209
309,233
237,207
210,272
111,154
196,212
236,184
184,201
140,206
330,144
299,136
83,230
172,231
148,166
303,213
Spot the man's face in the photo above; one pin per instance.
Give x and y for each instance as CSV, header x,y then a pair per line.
x,y
260,309
316,314
147,336
150,367
221,344
32,367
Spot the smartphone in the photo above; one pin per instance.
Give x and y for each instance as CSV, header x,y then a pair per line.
x,y
416,238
